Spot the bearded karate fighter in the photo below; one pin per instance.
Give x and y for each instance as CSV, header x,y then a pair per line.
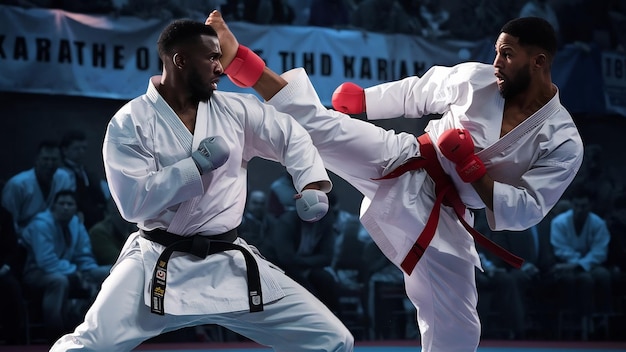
x,y
504,142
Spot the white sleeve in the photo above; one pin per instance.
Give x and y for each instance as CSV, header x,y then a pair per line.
x,y
410,97
134,179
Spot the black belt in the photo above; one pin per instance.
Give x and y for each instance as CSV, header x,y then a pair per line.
x,y
199,246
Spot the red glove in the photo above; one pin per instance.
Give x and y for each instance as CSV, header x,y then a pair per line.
x,y
349,99
246,68
457,146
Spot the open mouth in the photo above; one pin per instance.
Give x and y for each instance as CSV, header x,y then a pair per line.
x,y
499,79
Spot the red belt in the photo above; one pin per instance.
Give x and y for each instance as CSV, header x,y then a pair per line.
x,y
446,194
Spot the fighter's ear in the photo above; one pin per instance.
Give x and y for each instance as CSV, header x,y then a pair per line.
x,y
540,60
178,60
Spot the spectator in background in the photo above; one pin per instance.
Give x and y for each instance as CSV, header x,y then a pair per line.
x,y
109,235
91,200
32,191
60,260
11,307
580,239
257,225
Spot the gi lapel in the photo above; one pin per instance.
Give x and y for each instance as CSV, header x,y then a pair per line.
x,y
522,129
180,220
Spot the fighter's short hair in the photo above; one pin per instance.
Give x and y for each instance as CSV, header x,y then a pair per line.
x,y
533,31
180,32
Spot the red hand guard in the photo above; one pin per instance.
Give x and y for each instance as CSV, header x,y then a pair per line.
x,y
457,146
349,98
246,68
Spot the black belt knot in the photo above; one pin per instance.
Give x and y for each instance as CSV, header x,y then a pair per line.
x,y
199,246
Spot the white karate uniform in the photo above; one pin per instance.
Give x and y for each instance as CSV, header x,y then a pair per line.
x,y
532,165
156,184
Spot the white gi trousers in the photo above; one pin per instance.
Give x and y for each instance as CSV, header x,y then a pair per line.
x,y
442,289
119,320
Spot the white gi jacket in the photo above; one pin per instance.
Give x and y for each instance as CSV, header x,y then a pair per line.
x,y
532,165
156,184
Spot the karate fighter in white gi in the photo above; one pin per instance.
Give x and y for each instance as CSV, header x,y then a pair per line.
x,y
176,161
504,142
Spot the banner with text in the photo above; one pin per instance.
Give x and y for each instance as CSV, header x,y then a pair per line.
x,y
57,52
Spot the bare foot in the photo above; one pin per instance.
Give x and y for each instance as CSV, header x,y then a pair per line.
x,y
228,42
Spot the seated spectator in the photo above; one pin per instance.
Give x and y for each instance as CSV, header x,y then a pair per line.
x,y
580,239
32,191
59,261
109,235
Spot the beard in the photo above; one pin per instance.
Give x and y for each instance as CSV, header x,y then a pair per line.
x,y
517,84
198,89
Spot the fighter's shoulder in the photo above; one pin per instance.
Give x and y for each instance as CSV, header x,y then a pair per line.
x,y
475,72
138,111
239,105
227,98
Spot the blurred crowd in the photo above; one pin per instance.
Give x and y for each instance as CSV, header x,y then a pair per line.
x,y
61,232
576,21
